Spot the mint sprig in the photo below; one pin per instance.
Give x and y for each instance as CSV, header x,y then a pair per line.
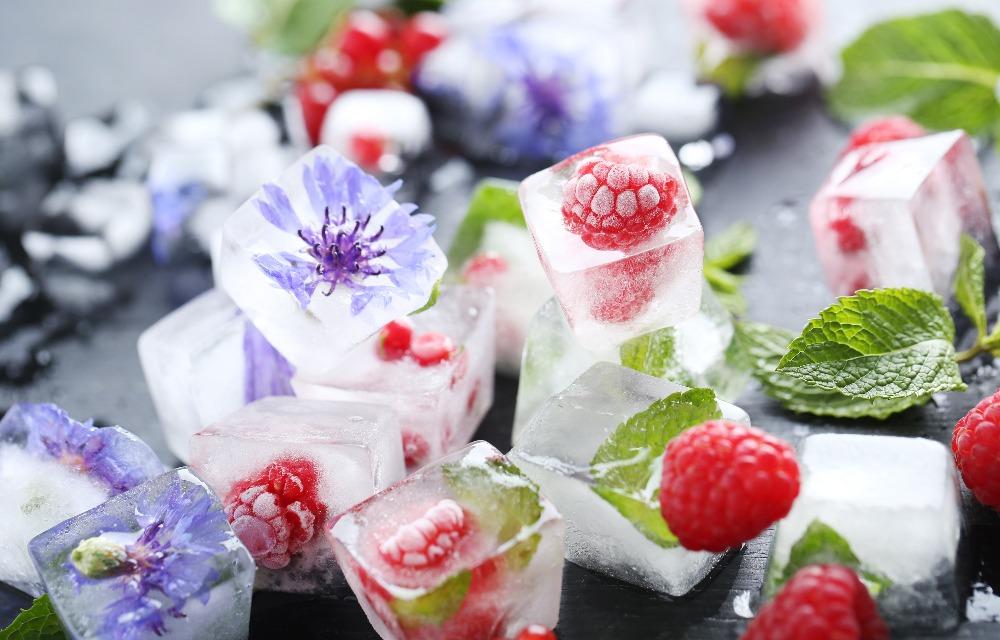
x,y
623,466
436,606
38,622
655,354
502,498
969,286
493,201
941,69
724,252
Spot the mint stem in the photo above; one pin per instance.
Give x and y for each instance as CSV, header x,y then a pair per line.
x,y
970,353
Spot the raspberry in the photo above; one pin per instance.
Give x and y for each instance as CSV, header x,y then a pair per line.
x,y
483,268
884,129
850,237
367,148
724,483
415,449
762,26
277,512
315,98
536,632
431,348
422,33
616,205
624,289
427,540
976,445
394,339
820,602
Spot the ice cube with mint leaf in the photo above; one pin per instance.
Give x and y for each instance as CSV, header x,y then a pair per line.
x,y
595,449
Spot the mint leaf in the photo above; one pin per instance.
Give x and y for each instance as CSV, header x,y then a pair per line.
x,y
886,343
731,247
291,27
821,544
623,466
434,607
970,282
940,68
502,498
431,300
726,287
38,622
518,557
655,354
493,201
732,74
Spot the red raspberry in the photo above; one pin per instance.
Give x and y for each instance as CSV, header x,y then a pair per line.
x,y
365,36
367,148
278,511
415,449
429,539
315,97
394,339
976,445
884,129
482,269
762,26
421,34
724,483
431,348
616,205
624,289
850,237
536,632
820,602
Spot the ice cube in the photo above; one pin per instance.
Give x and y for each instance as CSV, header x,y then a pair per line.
x,y
692,353
492,248
157,560
558,450
204,361
618,238
52,468
284,467
439,404
464,548
324,257
890,508
890,214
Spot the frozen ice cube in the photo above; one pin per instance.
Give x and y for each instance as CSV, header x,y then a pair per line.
x,y
439,405
891,214
692,353
464,548
324,257
888,506
52,468
558,450
157,560
284,467
618,238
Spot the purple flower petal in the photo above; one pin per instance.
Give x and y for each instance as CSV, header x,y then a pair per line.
x,y
290,274
265,371
277,209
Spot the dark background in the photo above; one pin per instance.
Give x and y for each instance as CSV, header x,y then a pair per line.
x,y
165,53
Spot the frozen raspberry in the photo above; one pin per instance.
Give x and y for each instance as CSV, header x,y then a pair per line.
x,y
394,339
365,36
367,148
415,449
315,97
976,445
482,269
278,511
762,26
724,483
536,632
622,290
820,602
884,129
431,348
616,205
850,237
427,540
421,34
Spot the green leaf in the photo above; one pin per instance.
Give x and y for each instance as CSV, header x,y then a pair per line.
x,y
291,27
431,301
493,201
623,466
518,557
655,354
731,247
726,287
434,607
502,498
940,68
885,343
970,282
38,622
732,74
821,544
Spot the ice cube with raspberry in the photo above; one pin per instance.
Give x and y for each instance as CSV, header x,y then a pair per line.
x,y
492,248
596,450
323,257
465,548
53,467
887,507
159,560
203,361
435,369
618,238
284,467
891,213
692,353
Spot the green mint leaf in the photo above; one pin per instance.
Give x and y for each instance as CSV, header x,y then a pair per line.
x,y
38,622
502,498
726,287
623,466
493,201
518,557
732,74
291,27
886,343
655,354
940,68
731,247
436,606
970,282
431,301
821,544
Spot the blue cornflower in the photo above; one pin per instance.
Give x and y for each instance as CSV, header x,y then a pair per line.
x,y
265,371
354,236
173,205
